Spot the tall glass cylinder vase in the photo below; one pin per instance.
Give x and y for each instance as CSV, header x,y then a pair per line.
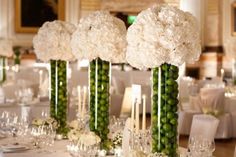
x,y
234,71
58,94
2,69
99,98
164,109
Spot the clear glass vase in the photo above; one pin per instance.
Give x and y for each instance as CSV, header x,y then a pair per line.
x,y
234,72
164,110
99,98
2,69
58,94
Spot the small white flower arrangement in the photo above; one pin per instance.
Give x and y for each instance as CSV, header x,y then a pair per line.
x,y
100,35
117,139
89,139
6,48
52,41
74,135
163,34
48,121
74,124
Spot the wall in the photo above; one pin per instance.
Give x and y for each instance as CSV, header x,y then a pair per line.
x,y
227,20
7,21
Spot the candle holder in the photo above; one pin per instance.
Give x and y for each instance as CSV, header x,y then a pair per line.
x,y
58,94
99,99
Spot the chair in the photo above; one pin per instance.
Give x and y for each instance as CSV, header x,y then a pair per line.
x,y
205,126
212,99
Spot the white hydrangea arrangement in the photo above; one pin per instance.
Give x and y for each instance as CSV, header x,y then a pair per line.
x,y
75,130
163,34
52,41
100,35
230,48
6,48
74,134
47,121
89,139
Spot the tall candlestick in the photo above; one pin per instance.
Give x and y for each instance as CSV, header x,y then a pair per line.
x,y
84,101
144,113
137,117
79,100
222,74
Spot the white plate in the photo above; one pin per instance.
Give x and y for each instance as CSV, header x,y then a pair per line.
x,y
10,148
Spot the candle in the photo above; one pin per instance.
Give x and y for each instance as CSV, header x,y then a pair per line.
x,y
84,101
137,117
144,113
79,101
222,74
132,116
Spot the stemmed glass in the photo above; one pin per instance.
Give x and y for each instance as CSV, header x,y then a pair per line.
x,y
200,146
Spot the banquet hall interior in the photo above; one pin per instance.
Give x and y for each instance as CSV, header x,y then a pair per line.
x,y
122,78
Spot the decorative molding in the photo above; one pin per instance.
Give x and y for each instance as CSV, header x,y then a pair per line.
x,y
90,5
128,6
213,6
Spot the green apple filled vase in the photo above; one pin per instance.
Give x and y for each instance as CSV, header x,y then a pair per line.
x,y
2,69
58,95
99,98
164,109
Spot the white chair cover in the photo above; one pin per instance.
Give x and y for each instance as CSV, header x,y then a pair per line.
x,y
212,99
185,121
184,88
225,127
205,126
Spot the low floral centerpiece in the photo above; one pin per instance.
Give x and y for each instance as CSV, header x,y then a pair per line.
x,y
100,38
163,38
52,44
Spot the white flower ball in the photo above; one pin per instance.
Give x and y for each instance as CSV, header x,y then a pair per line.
x,y
6,48
52,41
163,34
100,35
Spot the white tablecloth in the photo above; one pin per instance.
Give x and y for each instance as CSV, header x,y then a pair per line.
x,y
57,150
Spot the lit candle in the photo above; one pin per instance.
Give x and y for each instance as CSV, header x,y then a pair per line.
x,y
84,101
144,113
79,100
137,117
222,74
